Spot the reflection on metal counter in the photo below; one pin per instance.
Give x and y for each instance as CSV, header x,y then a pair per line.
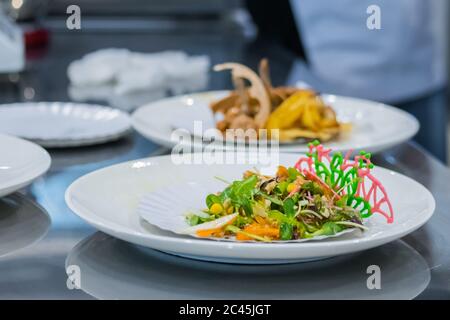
x,y
22,223
113,269
39,271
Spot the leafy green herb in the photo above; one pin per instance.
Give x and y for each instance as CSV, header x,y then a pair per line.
x,y
342,202
286,231
211,199
244,188
271,199
241,221
281,187
247,206
312,187
288,207
293,174
278,216
240,194
328,229
193,220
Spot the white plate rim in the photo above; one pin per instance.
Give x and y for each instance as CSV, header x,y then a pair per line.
x,y
37,172
376,146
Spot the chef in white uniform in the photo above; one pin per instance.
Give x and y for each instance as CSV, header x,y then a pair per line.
x,y
386,50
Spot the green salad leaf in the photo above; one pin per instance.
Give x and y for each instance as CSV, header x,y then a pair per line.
x,y
288,207
211,199
286,231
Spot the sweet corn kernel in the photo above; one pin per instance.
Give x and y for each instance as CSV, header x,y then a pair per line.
x,y
290,187
216,208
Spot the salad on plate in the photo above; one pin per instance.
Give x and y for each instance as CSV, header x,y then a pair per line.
x,y
320,196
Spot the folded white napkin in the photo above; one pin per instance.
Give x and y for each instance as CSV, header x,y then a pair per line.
x,y
128,71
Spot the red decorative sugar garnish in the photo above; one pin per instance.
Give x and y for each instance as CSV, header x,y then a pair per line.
x,y
347,178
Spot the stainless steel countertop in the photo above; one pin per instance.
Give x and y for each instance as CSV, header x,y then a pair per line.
x,y
416,266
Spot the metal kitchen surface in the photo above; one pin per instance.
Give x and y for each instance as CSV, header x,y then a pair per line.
x,y
417,266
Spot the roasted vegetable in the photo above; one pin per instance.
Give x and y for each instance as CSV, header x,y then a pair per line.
x,y
296,113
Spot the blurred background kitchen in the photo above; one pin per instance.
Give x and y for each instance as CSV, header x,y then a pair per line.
x,y
334,46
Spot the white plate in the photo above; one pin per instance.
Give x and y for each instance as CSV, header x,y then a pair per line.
x,y
376,126
108,199
22,223
21,162
58,124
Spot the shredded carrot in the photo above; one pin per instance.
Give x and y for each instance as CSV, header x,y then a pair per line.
x,y
211,232
259,229
208,232
242,237
262,230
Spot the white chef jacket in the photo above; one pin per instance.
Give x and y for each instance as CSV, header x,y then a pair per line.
x,y
403,59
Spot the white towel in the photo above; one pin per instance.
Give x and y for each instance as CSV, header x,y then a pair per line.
x,y
130,71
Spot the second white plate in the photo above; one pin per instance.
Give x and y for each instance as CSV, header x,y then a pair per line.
x,y
58,124
376,126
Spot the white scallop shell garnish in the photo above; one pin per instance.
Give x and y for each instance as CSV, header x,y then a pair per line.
x,y
167,208
218,223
